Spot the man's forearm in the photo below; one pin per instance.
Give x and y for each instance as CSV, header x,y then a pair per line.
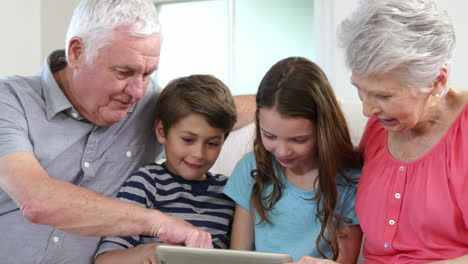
x,y
459,260
47,201
245,107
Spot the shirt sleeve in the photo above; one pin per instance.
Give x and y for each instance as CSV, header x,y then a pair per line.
x,y
239,185
347,198
138,189
113,243
458,167
13,125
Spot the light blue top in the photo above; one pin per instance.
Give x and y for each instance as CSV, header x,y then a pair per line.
x,y
294,228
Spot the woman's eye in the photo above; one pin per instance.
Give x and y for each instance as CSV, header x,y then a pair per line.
x,y
383,97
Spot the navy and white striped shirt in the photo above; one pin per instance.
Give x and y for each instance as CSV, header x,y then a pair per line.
x,y
201,203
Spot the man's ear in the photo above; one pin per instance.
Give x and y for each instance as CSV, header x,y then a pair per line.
x,y
159,131
440,82
76,56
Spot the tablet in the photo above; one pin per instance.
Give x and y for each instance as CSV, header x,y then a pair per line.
x,y
186,255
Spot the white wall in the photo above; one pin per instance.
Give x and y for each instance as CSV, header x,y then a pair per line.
x,y
55,17
32,28
20,37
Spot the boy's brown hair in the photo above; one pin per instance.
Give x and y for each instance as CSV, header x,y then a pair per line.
x,y
199,94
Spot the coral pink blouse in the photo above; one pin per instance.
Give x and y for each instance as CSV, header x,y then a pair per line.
x,y
414,212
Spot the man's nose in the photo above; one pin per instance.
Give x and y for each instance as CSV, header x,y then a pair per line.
x,y
136,88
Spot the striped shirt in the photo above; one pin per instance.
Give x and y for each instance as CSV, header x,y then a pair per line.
x,y
201,203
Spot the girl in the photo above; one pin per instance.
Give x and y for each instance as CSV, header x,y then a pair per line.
x,y
295,192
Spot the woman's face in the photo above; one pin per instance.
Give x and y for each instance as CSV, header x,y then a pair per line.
x,y
398,107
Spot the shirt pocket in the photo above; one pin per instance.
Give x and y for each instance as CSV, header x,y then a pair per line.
x,y
118,162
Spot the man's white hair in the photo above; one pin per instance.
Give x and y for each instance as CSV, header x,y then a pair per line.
x,y
94,21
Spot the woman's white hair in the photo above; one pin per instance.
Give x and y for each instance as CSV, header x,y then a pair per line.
x,y
94,21
410,38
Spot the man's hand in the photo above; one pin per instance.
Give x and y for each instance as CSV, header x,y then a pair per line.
x,y
173,230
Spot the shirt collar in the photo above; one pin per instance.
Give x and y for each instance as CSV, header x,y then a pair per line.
x,y
55,99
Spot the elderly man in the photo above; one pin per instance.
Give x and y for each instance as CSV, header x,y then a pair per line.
x,y
70,136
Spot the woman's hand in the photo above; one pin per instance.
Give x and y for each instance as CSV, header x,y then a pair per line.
x,y
311,260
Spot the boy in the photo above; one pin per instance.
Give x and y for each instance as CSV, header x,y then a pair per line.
x,y
194,115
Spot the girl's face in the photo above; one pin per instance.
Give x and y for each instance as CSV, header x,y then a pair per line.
x,y
291,140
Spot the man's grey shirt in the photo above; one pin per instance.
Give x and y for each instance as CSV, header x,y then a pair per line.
x,y
36,117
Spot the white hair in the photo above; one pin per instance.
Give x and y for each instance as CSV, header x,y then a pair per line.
x,y
411,38
94,21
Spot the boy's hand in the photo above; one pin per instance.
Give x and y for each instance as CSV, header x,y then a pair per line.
x,y
176,231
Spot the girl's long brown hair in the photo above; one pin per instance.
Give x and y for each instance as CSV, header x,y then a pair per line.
x,y
297,87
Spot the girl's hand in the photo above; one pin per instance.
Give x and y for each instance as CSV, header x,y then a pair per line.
x,y
311,260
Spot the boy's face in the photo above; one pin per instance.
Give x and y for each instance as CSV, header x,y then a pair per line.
x,y
192,146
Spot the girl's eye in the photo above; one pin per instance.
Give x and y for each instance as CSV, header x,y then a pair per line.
x,y
213,144
269,136
300,140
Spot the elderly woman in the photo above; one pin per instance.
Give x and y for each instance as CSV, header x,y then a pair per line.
x,y
412,200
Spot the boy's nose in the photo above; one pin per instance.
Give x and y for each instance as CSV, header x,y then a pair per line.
x,y
197,151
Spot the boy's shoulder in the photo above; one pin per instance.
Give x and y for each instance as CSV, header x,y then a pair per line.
x,y
217,178
152,168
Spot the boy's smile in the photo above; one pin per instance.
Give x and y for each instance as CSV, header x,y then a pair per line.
x,y
192,146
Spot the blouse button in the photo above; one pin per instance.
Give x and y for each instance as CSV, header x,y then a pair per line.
x,y
75,115
397,195
386,245
402,168
86,164
391,222
129,154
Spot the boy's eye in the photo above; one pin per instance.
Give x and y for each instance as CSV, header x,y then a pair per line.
x,y
187,140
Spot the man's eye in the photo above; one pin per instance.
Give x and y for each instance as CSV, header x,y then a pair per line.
x,y
125,73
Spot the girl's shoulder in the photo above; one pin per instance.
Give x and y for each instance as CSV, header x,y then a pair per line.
x,y
353,174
